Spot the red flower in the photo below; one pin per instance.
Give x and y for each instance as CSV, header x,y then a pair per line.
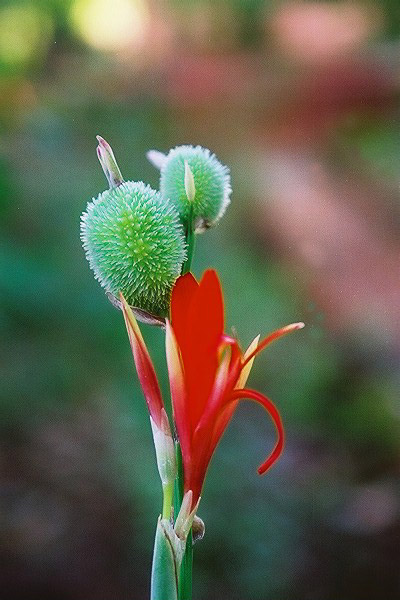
x,y
207,373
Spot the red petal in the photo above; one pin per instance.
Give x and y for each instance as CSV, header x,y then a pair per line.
x,y
144,366
210,306
273,412
182,294
204,330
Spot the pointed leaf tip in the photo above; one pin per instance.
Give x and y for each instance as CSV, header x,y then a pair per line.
x,y
102,141
108,163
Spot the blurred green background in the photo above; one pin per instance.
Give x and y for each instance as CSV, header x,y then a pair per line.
x,y
301,100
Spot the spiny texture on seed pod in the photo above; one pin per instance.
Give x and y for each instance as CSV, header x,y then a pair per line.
x,y
134,243
211,180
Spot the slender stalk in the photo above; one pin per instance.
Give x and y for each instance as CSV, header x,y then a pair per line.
x,y
185,577
191,243
168,492
178,495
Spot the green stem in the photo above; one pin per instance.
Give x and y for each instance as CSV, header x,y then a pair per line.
x,y
191,243
168,492
185,577
178,495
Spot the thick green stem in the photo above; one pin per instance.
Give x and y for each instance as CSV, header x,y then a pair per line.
x,y
164,578
185,577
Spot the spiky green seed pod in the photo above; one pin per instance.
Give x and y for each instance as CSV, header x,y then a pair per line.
x,y
211,185
135,244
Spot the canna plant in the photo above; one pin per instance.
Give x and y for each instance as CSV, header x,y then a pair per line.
x,y
139,243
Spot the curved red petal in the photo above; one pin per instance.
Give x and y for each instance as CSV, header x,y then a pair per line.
x,y
207,438
274,413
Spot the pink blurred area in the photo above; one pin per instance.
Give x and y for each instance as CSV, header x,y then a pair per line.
x,y
317,32
340,238
280,110
321,72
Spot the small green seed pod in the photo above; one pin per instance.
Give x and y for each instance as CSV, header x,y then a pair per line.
x,y
135,244
212,185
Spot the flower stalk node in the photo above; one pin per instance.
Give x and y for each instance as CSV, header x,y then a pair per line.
x,y
198,529
186,515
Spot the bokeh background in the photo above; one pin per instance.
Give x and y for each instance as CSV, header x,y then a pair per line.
x,y
301,100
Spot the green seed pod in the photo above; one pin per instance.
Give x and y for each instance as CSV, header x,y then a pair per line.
x,y
134,244
212,187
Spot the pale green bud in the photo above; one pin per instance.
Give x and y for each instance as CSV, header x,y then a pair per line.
x,y
135,244
133,241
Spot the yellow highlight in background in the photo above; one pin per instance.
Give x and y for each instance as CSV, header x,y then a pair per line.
x,y
110,25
